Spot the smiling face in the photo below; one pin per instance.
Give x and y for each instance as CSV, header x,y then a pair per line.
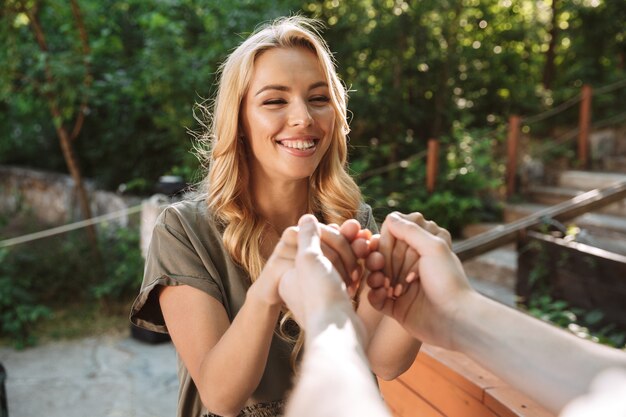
x,y
286,115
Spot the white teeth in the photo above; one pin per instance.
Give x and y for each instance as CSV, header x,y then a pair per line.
x,y
298,144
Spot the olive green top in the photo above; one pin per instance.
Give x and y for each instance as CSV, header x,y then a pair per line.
x,y
187,249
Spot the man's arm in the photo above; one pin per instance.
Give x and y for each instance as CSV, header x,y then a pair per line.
x,y
546,362
335,378
549,364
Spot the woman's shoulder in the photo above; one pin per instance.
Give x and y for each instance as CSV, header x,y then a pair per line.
x,y
192,211
364,211
191,207
365,217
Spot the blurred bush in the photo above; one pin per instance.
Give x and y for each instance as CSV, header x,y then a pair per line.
x,y
43,276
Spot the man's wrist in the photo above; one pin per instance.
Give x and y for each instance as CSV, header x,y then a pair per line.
x,y
463,319
340,315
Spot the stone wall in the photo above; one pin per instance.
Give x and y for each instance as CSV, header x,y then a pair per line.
x,y
51,198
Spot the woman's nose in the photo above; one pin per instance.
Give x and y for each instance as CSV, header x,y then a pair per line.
x,y
300,114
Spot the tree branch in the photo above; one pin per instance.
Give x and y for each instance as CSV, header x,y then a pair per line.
x,y
87,80
33,16
64,138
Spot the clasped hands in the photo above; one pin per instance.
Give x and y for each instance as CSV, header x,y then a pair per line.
x,y
324,265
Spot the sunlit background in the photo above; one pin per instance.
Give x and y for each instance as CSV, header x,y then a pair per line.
x,y
97,115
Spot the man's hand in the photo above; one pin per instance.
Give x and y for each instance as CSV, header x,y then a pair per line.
x,y
312,285
401,261
436,286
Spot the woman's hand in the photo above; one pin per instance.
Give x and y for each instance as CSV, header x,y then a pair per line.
x,y
280,261
345,246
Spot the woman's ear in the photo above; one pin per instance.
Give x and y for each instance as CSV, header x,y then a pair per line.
x,y
240,132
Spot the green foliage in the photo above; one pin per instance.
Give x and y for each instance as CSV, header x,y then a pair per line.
x,y
42,276
19,309
416,70
151,61
465,184
123,267
585,324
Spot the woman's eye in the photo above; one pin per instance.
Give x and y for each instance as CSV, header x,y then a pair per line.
x,y
275,101
320,99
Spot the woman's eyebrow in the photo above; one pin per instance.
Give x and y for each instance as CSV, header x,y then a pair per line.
x,y
318,84
272,87
279,87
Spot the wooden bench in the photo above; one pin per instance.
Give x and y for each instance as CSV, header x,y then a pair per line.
x,y
442,383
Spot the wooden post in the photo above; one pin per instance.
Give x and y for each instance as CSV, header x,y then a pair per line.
x,y
584,125
512,140
432,162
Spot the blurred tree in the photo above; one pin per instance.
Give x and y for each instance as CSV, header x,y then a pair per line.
x,y
420,69
592,46
62,108
151,61
416,69
548,68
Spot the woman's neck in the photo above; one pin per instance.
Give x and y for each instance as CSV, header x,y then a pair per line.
x,y
281,204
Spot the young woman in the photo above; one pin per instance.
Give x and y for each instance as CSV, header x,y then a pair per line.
x,y
278,150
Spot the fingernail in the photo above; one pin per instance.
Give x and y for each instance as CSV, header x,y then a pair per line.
x,y
307,219
351,291
389,292
387,283
398,291
411,277
356,273
394,216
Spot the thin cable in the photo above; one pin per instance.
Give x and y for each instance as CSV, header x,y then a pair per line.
x,y
390,167
573,133
549,113
569,103
68,227
610,87
526,120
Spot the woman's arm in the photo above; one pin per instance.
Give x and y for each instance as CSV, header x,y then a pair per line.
x,y
390,349
226,360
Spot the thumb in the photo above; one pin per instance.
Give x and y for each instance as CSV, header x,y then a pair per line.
x,y
309,232
310,260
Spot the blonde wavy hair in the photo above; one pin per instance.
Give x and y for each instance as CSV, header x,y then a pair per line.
x,y
333,195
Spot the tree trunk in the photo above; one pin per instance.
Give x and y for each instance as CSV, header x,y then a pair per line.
x,y
65,139
549,68
449,33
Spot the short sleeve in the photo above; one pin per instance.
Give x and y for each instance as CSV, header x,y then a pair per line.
x,y
366,218
173,258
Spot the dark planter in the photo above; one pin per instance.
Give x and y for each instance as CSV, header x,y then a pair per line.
x,y
148,336
585,276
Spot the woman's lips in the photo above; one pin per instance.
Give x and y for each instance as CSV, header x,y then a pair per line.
x,y
299,146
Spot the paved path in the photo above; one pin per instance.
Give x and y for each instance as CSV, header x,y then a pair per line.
x,y
106,376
